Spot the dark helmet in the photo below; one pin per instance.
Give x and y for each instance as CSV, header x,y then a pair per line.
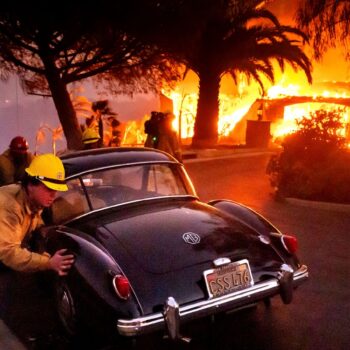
x,y
19,145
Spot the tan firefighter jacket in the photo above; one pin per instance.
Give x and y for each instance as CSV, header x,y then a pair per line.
x,y
17,222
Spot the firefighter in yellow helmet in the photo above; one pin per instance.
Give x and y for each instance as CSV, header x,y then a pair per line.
x,y
91,138
21,206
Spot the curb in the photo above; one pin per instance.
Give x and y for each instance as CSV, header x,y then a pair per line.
x,y
345,208
202,158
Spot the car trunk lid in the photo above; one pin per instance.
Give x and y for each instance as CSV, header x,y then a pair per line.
x,y
165,248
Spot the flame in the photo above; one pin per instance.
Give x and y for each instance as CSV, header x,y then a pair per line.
x,y
133,132
279,90
232,109
293,113
240,103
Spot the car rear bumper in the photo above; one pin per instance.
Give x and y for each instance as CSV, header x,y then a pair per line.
x,y
260,291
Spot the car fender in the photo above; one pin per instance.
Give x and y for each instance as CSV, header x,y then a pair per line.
x,y
267,232
245,214
93,267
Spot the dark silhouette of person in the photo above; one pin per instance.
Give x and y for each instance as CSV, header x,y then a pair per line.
x,y
161,135
14,161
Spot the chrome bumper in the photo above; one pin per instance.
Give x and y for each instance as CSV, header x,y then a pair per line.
x,y
158,321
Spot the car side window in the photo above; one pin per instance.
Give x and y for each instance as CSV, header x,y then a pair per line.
x,y
131,177
162,181
114,186
70,204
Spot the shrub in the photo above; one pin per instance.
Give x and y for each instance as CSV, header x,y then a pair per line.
x,y
314,163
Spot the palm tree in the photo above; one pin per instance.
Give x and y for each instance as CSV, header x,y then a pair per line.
x,y
239,37
327,22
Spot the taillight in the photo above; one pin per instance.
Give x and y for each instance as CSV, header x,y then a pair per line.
x,y
290,243
121,286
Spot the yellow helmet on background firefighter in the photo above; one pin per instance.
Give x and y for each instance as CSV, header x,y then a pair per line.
x,y
48,169
90,135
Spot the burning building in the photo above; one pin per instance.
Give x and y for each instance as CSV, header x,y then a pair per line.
x,y
245,116
277,110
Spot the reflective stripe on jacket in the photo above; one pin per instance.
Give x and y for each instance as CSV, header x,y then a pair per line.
x,y
17,222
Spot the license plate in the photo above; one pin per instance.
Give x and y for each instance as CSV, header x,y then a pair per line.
x,y
228,278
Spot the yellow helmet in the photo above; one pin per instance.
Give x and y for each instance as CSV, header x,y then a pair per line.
x,y
49,169
90,135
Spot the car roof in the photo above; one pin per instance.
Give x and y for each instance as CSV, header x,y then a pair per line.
x,y
81,161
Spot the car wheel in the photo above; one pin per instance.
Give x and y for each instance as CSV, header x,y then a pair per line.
x,y
66,308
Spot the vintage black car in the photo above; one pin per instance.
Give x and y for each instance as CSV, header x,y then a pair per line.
x,y
150,256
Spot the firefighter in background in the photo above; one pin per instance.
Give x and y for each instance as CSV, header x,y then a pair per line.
x,y
21,206
114,133
14,161
161,135
168,139
91,138
152,129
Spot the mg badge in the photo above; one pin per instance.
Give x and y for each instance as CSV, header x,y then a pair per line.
x,y
191,238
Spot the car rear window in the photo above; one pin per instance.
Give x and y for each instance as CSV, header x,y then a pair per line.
x,y
112,186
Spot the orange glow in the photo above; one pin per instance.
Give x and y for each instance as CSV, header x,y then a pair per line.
x,y
295,112
231,110
241,103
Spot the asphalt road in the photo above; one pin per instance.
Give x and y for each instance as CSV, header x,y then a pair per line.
x,y
318,318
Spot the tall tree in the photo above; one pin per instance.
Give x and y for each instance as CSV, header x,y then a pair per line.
x,y
51,48
327,22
